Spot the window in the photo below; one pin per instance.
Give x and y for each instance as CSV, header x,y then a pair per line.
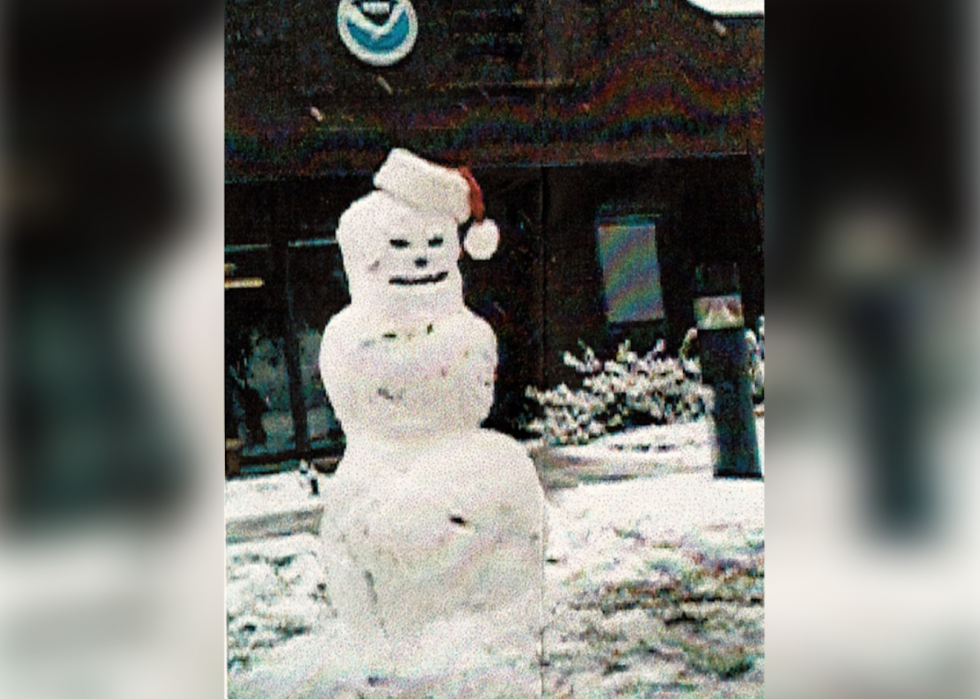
x,y
630,269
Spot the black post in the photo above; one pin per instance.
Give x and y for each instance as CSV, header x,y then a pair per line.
x,y
725,366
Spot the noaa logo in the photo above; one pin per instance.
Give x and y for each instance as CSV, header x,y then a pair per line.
x,y
379,32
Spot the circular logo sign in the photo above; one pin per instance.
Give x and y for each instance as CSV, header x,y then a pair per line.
x,y
379,32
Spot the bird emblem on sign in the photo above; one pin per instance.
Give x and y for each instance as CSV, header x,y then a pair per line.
x,y
378,32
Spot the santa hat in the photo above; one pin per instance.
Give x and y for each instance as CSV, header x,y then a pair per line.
x,y
430,187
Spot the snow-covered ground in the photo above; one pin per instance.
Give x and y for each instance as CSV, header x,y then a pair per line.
x,y
654,584
655,588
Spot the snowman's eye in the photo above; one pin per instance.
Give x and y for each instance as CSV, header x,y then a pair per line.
x,y
399,243
436,242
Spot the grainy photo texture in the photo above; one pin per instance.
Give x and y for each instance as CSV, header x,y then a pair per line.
x,y
494,349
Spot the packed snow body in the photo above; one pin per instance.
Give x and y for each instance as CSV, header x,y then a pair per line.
x,y
408,380
431,522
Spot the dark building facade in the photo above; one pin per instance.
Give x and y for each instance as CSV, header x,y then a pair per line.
x,y
586,123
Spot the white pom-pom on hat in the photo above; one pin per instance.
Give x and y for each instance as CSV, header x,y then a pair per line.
x,y
482,239
483,236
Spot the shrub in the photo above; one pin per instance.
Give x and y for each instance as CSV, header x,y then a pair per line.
x,y
624,392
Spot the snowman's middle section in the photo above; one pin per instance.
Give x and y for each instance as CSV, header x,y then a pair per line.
x,y
396,381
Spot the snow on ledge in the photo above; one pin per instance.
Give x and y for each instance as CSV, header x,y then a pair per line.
x,y
731,7
275,505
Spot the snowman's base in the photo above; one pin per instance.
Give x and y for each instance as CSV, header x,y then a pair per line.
x,y
471,656
424,531
433,554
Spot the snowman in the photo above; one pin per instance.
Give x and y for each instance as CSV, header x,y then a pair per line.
x,y
433,528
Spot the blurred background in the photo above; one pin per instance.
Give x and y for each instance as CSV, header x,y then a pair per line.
x,y
872,281
112,528
113,356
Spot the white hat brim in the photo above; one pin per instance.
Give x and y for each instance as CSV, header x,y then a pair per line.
x,y
424,185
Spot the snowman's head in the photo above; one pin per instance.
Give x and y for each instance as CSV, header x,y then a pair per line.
x,y
400,243
396,256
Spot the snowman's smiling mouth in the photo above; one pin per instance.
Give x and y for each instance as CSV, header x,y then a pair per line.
x,y
415,281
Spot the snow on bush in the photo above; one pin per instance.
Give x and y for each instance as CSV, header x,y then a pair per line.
x,y
626,391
